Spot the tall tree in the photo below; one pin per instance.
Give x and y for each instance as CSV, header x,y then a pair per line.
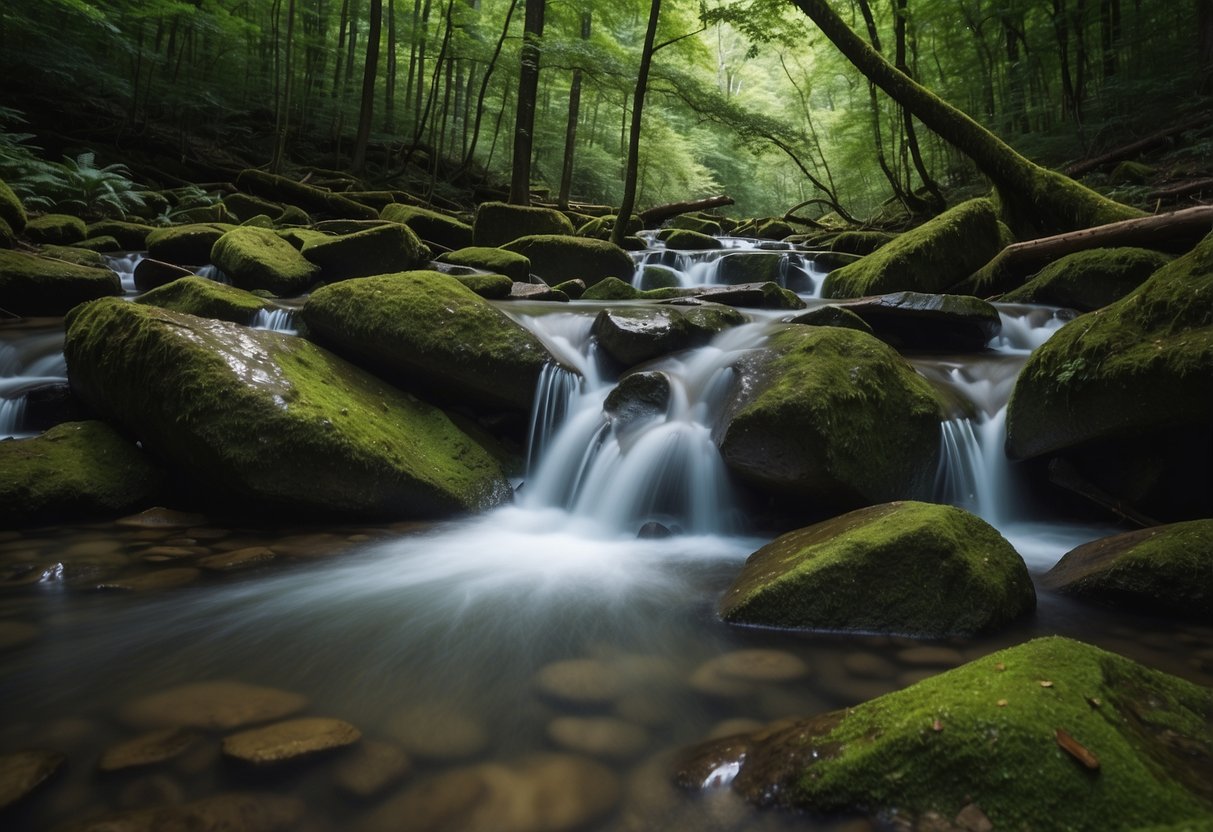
x,y
570,133
370,70
628,203
528,86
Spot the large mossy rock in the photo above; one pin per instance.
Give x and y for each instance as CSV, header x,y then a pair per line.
x,y
185,245
270,421
497,223
132,236
257,258
426,331
1089,280
391,247
741,267
906,568
636,334
32,285
556,258
74,471
207,299
1010,737
914,320
12,211
431,226
493,260
56,229
931,258
1166,570
833,415
1143,365
680,239
311,199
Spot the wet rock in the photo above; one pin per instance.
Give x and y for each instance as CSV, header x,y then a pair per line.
x,y
911,568
438,731
741,268
31,285
235,812
384,249
754,296
1089,280
149,749
159,517
574,288
185,244
602,736
556,258
653,530
497,223
247,558
219,705
638,334
537,291
207,299
290,741
21,772
759,665
157,581
370,768
733,727
914,320
151,790
638,396
832,315
257,258
47,405
150,274
579,682
432,226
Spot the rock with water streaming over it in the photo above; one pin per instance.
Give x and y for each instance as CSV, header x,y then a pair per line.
x,y
218,705
290,741
987,734
21,772
234,812
637,334
272,420
914,320
909,568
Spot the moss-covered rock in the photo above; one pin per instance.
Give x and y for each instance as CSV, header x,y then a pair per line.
x,y
12,211
74,471
772,229
633,335
105,244
8,238
74,254
831,315
611,288
497,223
257,258
1089,280
1165,570
32,285
908,568
495,260
432,226
833,415
1141,365
697,222
658,277
391,247
309,198
132,236
601,228
207,299
684,240
184,245
556,258
56,229
488,286
913,320
244,207
930,258
1008,734
574,289
271,421
427,332
861,242
742,267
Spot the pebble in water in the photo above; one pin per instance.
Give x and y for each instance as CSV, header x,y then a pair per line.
x,y
438,731
370,768
601,736
240,812
160,518
161,579
152,790
249,558
21,772
217,705
290,741
869,666
148,749
579,682
741,672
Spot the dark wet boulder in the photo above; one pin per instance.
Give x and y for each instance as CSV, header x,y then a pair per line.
x,y
493,260
832,315
913,320
74,471
931,258
32,285
188,245
861,242
833,415
1165,570
684,240
151,273
497,223
907,568
637,396
56,229
390,247
1089,280
634,335
556,258
270,421
743,267
207,299
573,289
431,226
427,332
537,291
754,296
257,258
1051,734
12,211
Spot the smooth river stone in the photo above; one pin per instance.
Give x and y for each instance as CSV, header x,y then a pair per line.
x,y
148,749
289,741
154,581
739,673
438,731
236,812
219,705
371,767
734,726
579,682
23,771
160,518
159,554
248,558
600,736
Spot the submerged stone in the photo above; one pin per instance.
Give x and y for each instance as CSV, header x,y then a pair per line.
x,y
257,258
371,768
235,812
149,749
218,705
438,731
206,299
290,741
22,772
556,258
1052,734
391,247
907,568
1088,280
497,223
494,260
431,226
607,737
32,285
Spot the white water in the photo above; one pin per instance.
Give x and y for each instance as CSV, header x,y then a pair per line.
x,y
689,269
275,320
124,266
35,359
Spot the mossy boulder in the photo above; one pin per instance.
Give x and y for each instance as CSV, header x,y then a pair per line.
x,y
8,237
693,222
772,229
633,335
32,285
833,415
680,239
104,244
74,254
309,198
299,238
497,223
601,228
611,288
74,471
1164,570
493,260
1051,734
270,421
488,286
861,242
207,299
831,315
742,267
184,245
257,258
56,229
426,331
391,247
1089,280
432,226
658,277
132,236
914,320
907,568
1139,366
556,258
245,206
931,258
12,211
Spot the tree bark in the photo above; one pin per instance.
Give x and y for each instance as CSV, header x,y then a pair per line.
x,y
570,132
484,87
1134,149
369,70
528,86
285,105
660,213
619,231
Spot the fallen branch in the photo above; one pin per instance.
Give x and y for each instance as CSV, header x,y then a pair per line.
x,y
1182,189
660,213
1134,149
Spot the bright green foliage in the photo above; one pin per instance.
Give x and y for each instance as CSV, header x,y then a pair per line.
x,y
206,299
31,285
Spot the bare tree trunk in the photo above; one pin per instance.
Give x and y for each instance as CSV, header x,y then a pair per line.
x,y
389,86
369,70
570,133
628,204
484,88
285,109
528,85
899,37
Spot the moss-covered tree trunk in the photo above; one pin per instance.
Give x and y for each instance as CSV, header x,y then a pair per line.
x,y
1035,201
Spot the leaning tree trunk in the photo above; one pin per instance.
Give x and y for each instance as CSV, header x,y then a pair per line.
x,y
642,82
1035,201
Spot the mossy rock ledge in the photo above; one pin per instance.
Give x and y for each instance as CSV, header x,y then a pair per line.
x,y
391,247
990,739
207,299
906,568
1089,280
56,229
497,223
32,285
833,415
257,258
556,258
492,260
271,421
915,320
633,335
426,331
74,471
431,226
12,211
1164,570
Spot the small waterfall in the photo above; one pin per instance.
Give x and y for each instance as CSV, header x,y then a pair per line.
x,y
124,266
554,396
34,360
12,414
973,469
211,272
688,269
276,320
1024,328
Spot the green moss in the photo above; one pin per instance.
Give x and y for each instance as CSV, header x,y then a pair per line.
x,y
427,332
56,229
556,258
658,277
489,286
930,258
206,299
294,215
831,315
244,207
907,568
861,242
683,240
306,197
431,226
184,244
1088,280
390,247
611,288
257,258
105,244
1140,365
74,254
259,221
302,237
600,228
7,238
494,260
1133,173
773,229
1044,202
132,236
273,421
11,209
700,223
497,223
74,471
31,285
750,267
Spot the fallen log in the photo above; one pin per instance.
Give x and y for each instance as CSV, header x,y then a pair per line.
x,y
1182,189
660,213
1134,149
1174,232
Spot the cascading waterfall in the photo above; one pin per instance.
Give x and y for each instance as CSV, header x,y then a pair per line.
x,y
124,266
35,361
276,320
686,269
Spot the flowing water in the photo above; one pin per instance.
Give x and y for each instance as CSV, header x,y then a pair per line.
x,y
444,639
